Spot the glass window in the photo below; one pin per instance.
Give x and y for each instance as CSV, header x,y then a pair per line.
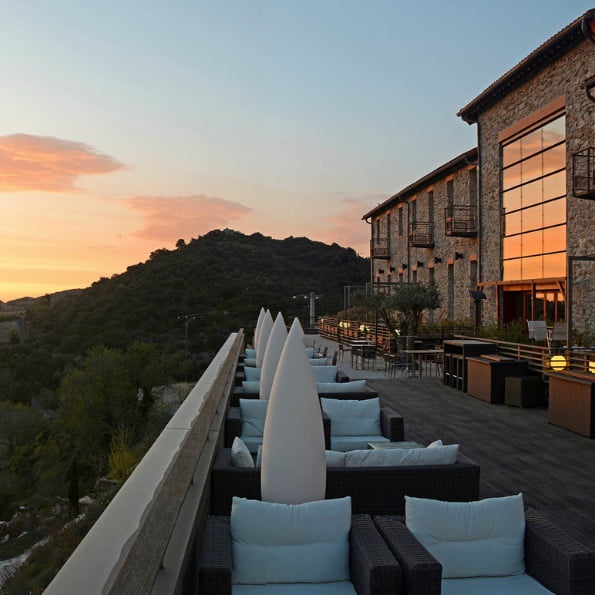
x,y
534,204
554,212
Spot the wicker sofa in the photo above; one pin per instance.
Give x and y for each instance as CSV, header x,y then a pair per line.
x,y
392,425
373,569
373,490
554,559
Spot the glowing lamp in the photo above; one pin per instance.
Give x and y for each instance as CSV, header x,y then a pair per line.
x,y
592,367
558,362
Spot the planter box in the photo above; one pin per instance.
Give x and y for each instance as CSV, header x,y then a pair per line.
x,y
486,376
572,402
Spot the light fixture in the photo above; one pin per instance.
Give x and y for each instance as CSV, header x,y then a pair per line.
x,y
363,328
420,263
558,362
437,259
392,270
459,255
381,271
403,266
592,367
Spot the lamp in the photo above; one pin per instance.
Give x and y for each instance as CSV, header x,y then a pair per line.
x,y
592,367
558,362
403,266
459,255
381,271
392,269
437,259
420,263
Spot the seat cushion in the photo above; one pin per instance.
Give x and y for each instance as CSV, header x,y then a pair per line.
x,y
396,457
353,417
251,387
481,538
355,386
493,585
346,443
325,373
252,373
290,543
253,412
334,588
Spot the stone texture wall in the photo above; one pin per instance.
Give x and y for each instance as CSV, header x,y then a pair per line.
x,y
563,78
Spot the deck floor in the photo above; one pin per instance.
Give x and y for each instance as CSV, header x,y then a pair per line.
x,y
517,449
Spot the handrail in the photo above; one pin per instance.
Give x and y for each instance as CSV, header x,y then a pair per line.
x,y
144,540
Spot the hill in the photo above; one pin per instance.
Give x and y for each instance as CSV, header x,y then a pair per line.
x,y
192,297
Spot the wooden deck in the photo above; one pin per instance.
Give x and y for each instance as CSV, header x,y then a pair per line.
x,y
517,449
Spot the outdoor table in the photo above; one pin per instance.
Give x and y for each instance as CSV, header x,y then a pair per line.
x,y
359,347
419,355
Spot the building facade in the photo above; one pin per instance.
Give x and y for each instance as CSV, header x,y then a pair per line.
x,y
532,201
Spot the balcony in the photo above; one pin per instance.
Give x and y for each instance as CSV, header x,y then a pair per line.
x,y
583,174
460,221
421,234
380,248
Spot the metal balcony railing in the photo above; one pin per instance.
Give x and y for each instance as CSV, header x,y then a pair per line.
x,y
380,248
460,221
583,174
421,234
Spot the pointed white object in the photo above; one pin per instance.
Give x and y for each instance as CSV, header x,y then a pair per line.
x,y
257,327
263,337
272,353
293,455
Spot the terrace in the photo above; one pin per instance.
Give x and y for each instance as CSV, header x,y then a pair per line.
x,y
155,522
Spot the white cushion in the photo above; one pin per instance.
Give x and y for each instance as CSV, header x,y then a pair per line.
x,y
240,455
250,353
253,412
353,417
251,387
252,373
325,373
318,361
395,457
250,362
434,444
309,352
334,458
481,538
334,588
345,443
290,543
493,585
355,386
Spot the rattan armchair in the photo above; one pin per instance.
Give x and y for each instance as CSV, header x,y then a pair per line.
x,y
373,569
554,559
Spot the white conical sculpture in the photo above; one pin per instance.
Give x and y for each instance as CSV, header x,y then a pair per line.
x,y
293,456
257,327
272,353
263,337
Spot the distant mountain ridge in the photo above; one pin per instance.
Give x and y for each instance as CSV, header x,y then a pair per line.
x,y
193,296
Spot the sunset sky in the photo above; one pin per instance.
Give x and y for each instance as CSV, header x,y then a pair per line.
x,y
129,124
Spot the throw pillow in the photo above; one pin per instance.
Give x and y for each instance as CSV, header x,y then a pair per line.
x,y
353,417
240,455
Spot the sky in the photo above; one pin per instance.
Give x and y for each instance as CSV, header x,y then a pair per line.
x,y
127,125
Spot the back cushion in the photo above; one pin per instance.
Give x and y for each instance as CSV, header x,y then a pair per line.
x,y
394,457
252,387
290,543
253,412
481,538
252,373
325,373
318,361
355,386
309,352
353,417
240,455
334,458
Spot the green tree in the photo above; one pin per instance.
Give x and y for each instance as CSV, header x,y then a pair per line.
x,y
146,370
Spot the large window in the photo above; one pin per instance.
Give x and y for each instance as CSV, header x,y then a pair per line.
x,y
534,203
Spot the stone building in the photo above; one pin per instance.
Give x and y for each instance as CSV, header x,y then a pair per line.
x,y
534,194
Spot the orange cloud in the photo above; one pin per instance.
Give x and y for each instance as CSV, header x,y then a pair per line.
x,y
48,164
170,218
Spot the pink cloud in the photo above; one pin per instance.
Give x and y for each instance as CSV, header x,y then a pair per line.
x,y
48,164
170,218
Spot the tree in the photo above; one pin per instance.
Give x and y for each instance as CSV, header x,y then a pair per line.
x,y
402,310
